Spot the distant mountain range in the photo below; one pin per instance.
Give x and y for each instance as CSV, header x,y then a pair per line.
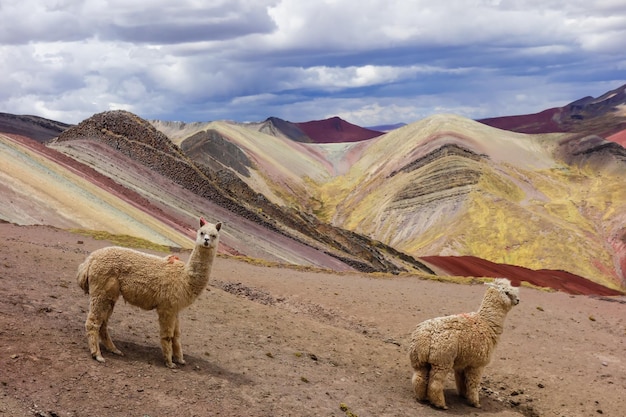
x,y
444,195
34,127
604,116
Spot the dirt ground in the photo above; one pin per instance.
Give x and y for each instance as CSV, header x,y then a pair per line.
x,y
264,341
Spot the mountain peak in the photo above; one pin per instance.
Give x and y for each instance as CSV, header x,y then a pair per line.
x,y
113,126
273,125
336,130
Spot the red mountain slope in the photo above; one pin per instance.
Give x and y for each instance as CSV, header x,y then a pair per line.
x,y
543,122
619,137
336,130
471,266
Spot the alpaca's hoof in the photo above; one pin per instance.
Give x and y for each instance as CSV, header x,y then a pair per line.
x,y
438,404
117,352
98,358
171,365
474,402
180,361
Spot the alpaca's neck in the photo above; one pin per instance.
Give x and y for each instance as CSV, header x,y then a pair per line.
x,y
493,313
198,268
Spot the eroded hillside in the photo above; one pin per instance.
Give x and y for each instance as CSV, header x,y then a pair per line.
x,y
449,186
213,179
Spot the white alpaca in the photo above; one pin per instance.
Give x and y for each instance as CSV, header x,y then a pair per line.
x,y
463,342
147,281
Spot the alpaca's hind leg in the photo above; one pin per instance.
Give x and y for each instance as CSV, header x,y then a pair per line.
x,y
105,337
420,381
436,379
167,325
177,346
92,327
472,383
98,314
461,387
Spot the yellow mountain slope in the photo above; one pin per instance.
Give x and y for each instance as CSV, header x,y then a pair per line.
x,y
451,186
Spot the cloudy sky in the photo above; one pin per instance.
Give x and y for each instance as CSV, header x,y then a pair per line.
x,y
370,62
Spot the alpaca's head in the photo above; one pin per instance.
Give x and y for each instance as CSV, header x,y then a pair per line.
x,y
507,294
208,234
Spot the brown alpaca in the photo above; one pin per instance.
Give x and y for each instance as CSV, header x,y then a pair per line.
x,y
147,281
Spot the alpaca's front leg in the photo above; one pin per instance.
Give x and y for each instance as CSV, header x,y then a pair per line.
x,y
472,380
177,344
167,325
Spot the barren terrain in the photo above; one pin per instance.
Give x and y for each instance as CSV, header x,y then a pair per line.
x,y
270,341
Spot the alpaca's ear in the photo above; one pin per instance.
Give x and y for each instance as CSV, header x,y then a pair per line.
x,y
202,221
218,226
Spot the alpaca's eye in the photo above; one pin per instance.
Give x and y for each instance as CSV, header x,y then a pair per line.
x,y
201,233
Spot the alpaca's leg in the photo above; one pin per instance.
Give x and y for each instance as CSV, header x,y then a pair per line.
x,y
92,327
420,381
167,324
472,380
105,337
436,380
93,324
177,345
461,387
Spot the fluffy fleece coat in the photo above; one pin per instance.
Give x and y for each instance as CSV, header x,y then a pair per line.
x,y
147,281
463,343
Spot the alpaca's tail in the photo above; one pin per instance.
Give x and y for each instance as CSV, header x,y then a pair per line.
x,y
83,275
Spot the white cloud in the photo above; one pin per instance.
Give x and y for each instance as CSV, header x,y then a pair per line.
x,y
338,77
372,114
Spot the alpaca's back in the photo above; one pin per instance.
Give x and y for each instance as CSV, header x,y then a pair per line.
x,y
449,340
142,279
